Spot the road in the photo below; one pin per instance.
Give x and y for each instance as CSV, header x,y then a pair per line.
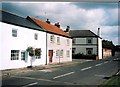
x,y
86,73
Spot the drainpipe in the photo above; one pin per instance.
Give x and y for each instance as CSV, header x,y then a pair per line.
x,y
46,49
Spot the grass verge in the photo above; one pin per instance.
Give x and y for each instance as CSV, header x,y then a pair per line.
x,y
114,81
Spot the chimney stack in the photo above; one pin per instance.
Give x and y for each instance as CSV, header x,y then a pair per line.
x,y
48,21
57,24
67,29
98,31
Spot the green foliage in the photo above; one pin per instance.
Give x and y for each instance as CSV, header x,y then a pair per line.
x,y
34,52
31,51
82,56
109,45
37,52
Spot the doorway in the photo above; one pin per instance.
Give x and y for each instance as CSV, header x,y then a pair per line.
x,y
50,56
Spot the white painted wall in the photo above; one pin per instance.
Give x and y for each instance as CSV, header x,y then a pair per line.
x,y
24,39
81,45
62,46
100,48
82,49
84,40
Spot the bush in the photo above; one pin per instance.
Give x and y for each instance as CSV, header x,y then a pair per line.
x,y
82,56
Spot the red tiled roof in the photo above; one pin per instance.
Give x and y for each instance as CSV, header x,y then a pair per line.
x,y
49,27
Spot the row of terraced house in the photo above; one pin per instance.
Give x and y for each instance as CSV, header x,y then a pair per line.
x,y
31,42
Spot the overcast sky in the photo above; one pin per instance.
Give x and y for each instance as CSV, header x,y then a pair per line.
x,y
77,15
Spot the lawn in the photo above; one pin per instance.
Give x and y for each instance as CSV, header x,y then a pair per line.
x,y
112,82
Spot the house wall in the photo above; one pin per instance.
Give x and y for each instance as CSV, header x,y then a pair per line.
x,y
24,39
62,46
82,49
84,40
107,53
100,48
80,45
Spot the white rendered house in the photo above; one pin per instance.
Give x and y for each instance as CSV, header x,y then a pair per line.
x,y
16,35
59,43
86,42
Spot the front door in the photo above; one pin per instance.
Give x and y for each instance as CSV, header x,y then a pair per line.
x,y
50,56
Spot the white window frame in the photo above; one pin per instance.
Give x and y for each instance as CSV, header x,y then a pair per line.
x,y
36,36
89,49
91,40
14,54
58,40
68,42
61,53
23,55
14,32
68,53
52,38
57,53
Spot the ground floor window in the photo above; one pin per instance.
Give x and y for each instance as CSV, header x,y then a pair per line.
x,y
23,55
68,53
14,54
59,53
89,51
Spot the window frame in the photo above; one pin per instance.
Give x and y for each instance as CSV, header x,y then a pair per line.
x,y
36,36
23,53
52,38
68,53
15,54
58,40
89,49
89,40
68,42
14,32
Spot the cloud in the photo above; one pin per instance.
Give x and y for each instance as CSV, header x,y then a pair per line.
x,y
95,5
79,15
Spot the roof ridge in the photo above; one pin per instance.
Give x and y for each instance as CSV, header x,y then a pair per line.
x,y
12,13
49,27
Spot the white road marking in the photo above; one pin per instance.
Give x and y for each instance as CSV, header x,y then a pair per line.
x,y
41,79
47,70
86,68
99,64
118,73
31,84
106,62
63,75
100,75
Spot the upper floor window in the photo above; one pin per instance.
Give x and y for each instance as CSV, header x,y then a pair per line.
x,y
68,42
36,36
58,40
73,40
14,32
89,40
52,37
14,54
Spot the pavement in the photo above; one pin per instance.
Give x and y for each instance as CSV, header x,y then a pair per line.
x,y
40,67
